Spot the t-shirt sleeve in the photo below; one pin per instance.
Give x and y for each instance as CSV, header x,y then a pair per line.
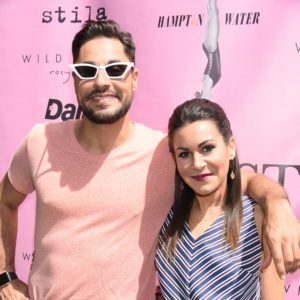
x,y
19,172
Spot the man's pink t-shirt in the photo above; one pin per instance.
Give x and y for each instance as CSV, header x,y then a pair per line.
x,y
97,216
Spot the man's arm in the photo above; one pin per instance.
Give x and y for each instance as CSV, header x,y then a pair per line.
x,y
282,229
10,200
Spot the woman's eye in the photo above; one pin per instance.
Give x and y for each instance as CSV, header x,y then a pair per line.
x,y
183,154
208,148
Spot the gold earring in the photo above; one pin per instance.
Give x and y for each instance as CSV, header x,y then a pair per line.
x,y
232,175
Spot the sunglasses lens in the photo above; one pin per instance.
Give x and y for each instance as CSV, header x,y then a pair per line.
x,y
116,70
86,71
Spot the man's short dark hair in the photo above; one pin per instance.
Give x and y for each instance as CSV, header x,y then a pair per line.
x,y
104,28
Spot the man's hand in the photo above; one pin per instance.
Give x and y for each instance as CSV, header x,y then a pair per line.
x,y
16,290
282,232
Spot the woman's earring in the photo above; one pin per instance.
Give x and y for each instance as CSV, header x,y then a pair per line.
x,y
181,186
232,175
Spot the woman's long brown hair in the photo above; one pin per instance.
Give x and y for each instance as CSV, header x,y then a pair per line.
x,y
186,113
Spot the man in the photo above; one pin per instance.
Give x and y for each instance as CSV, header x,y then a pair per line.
x,y
104,186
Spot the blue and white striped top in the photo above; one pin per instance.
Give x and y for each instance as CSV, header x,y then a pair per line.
x,y
207,268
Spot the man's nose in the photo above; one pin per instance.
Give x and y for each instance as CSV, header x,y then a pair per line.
x,y
102,78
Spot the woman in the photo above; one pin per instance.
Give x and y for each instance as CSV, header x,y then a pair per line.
x,y
210,246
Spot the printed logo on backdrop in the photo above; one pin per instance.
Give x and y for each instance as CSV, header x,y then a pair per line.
x,y
192,20
280,168
213,19
248,18
292,289
58,67
28,258
75,15
57,110
55,60
188,20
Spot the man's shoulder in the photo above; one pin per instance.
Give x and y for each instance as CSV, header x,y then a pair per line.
x,y
45,134
146,132
150,139
55,128
155,144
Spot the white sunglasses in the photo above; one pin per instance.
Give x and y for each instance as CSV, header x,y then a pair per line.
x,y
114,70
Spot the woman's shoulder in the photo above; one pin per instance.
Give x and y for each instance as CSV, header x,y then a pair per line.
x,y
251,207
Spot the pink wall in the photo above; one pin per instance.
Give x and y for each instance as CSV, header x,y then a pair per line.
x,y
259,87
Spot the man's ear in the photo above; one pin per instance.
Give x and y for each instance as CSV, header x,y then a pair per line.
x,y
135,75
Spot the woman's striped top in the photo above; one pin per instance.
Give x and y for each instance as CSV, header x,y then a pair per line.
x,y
207,268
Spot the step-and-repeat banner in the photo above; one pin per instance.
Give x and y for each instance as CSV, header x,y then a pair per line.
x,y
259,87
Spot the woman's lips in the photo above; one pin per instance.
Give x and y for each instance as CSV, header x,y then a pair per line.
x,y
201,177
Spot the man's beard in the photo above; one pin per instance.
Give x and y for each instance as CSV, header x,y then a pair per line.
x,y
99,118
96,117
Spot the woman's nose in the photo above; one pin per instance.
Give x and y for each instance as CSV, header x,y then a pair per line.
x,y
198,161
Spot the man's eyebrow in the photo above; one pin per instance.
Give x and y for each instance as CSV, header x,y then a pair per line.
x,y
93,63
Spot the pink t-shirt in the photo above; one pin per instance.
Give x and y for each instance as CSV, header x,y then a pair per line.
x,y
98,216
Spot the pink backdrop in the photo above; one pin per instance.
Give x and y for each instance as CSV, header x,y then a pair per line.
x,y
259,87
